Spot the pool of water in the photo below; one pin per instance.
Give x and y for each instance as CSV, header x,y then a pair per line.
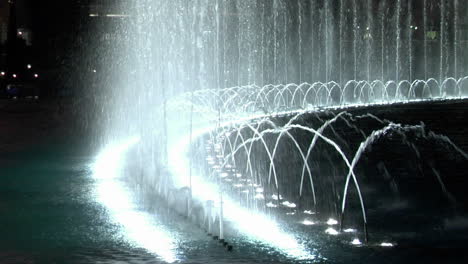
x,y
49,214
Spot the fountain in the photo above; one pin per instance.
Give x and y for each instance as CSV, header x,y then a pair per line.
x,y
250,116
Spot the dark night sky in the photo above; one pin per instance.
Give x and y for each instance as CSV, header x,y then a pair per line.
x,y
47,18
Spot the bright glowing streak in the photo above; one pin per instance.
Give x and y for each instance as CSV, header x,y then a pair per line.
x,y
386,244
116,15
356,242
331,231
309,212
271,205
349,230
139,227
332,221
308,222
93,15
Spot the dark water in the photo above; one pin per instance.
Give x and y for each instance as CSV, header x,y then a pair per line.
x,y
49,214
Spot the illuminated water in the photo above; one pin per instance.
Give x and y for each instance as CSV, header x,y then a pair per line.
x,y
54,210
230,114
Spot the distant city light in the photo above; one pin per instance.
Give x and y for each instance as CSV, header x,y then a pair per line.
x,y
20,33
2,73
36,75
94,71
14,75
29,66
93,15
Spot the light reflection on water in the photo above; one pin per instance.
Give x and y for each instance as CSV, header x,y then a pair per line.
x,y
138,226
144,231
47,216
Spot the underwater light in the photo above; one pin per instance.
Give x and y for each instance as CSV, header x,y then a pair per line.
x,y
331,231
289,204
275,197
271,205
259,196
332,221
308,222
